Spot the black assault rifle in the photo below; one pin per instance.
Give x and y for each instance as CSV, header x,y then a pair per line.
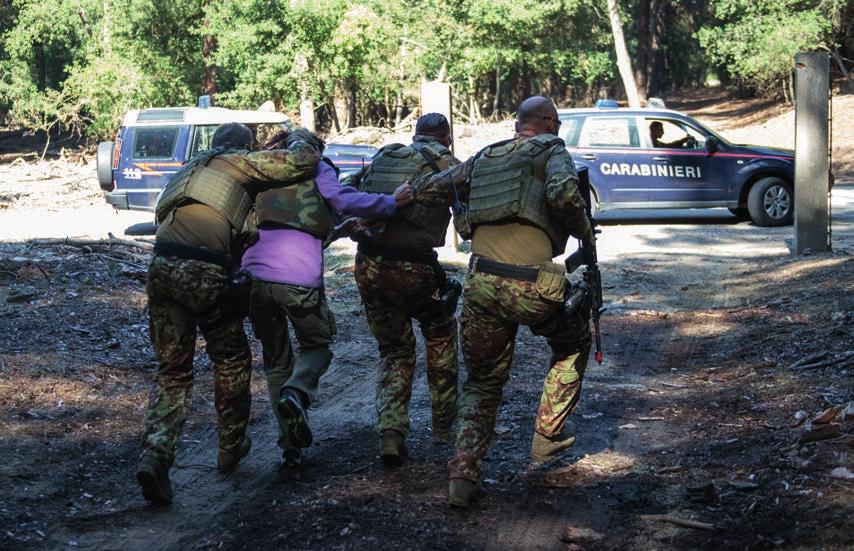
x,y
588,292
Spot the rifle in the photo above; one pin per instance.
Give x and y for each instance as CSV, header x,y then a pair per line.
x,y
590,288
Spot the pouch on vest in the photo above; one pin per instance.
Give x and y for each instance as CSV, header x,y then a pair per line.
x,y
551,282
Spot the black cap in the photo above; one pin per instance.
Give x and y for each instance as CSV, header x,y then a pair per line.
x,y
232,134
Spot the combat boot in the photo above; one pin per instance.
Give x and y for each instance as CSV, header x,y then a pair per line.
x,y
462,492
392,449
292,458
293,413
228,460
153,477
546,448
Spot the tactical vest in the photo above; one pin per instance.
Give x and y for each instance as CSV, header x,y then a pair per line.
x,y
396,163
214,188
508,185
299,206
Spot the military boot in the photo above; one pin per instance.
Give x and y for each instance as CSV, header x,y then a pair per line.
x,y
392,449
546,448
292,457
293,413
462,492
153,476
228,460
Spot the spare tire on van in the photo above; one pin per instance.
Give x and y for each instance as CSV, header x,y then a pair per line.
x,y
104,164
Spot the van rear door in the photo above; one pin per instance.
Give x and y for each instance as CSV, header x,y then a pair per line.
x,y
149,156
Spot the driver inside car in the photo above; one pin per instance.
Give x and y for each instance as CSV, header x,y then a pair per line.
x,y
656,131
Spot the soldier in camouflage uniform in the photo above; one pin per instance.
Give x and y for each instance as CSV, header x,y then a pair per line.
x,y
521,205
287,268
399,278
202,213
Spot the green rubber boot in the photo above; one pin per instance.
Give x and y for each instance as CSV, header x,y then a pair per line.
x,y
546,448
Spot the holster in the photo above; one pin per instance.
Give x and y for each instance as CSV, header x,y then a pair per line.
x,y
233,303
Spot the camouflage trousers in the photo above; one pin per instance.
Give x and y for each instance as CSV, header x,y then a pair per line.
x,y
272,305
394,292
493,309
181,295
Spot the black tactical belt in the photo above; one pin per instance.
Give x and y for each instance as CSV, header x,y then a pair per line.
x,y
401,255
501,269
189,252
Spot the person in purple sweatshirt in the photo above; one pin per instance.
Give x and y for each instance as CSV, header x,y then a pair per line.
x,y
287,269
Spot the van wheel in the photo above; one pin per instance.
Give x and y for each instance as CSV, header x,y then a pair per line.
x,y
771,202
104,165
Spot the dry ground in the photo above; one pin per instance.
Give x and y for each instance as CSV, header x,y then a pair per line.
x,y
725,398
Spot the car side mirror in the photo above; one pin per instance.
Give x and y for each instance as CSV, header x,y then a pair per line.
x,y
711,144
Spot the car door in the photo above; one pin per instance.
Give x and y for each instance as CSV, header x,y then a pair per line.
x,y
606,144
682,172
155,153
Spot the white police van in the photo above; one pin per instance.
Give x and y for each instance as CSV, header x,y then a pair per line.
x,y
152,144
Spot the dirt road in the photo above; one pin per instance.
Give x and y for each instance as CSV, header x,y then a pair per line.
x,y
727,372
705,316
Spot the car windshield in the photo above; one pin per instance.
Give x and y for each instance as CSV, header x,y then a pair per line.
x,y
203,137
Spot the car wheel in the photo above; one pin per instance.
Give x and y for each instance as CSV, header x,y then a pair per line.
x,y
104,165
742,213
771,202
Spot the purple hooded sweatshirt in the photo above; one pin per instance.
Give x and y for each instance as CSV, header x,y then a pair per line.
x,y
288,255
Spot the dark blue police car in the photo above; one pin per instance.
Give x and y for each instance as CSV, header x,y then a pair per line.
x,y
657,158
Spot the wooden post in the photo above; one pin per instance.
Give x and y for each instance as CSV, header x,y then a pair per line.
x,y
812,160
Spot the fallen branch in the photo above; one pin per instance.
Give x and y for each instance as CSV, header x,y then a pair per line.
x,y
680,522
809,359
81,243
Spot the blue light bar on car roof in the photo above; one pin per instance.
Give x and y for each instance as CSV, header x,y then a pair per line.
x,y
606,104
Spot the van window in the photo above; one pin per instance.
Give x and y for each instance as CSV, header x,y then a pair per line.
x,y
610,132
570,129
154,143
202,138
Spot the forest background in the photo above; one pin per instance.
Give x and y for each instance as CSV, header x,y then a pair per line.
x,y
78,65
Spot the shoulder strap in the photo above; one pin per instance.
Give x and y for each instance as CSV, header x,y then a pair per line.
x,y
428,156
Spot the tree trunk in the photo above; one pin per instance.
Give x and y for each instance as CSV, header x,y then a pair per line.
x,y
208,45
644,43
655,61
624,63
351,103
496,101
306,103
333,113
401,76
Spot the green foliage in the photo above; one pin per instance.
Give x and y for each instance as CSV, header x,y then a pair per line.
x,y
80,64
756,41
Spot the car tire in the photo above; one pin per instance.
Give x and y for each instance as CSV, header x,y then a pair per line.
x,y
742,213
771,202
104,165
